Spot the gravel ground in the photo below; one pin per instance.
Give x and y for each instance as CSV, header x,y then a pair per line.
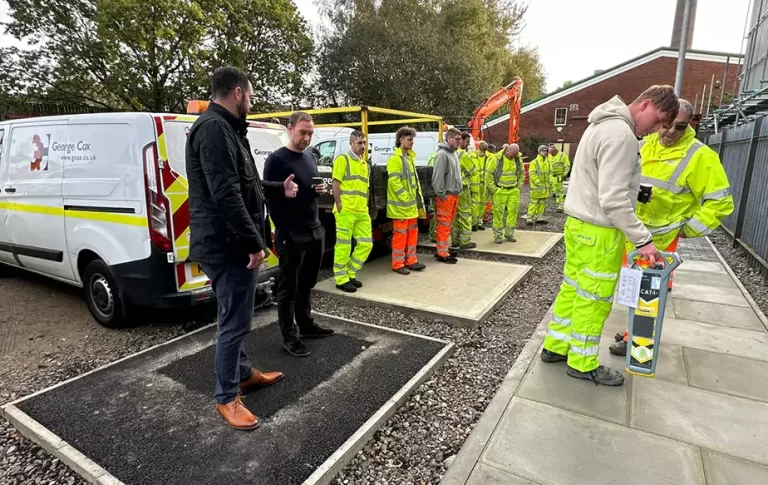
x,y
414,447
738,260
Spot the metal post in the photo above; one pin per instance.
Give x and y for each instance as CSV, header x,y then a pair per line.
x,y
683,47
725,79
711,87
720,146
696,102
753,141
703,95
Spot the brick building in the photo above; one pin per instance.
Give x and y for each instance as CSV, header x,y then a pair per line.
x,y
561,117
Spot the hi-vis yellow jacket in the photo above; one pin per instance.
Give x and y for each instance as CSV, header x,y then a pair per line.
x,y
691,194
404,199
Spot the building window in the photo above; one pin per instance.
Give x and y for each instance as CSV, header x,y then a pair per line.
x,y
561,115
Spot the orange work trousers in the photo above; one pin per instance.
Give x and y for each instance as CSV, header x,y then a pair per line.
x,y
446,211
404,239
669,249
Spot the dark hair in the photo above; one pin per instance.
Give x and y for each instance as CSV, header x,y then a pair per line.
x,y
402,133
356,134
492,147
297,116
465,136
226,79
452,132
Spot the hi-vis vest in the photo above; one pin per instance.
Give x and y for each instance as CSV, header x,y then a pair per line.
x,y
690,188
479,164
538,175
467,167
354,183
557,165
404,197
505,175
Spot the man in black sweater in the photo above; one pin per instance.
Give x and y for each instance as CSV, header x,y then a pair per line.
x,y
299,236
230,232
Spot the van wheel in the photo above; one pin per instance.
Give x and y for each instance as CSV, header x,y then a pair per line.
x,y
103,295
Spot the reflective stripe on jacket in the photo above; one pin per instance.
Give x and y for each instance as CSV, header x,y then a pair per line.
x,y
353,177
538,174
503,172
690,188
404,197
559,164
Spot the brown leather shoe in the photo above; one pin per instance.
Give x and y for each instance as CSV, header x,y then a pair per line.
x,y
237,415
259,380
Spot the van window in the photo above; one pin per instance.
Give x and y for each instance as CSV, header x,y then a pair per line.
x,y
327,152
37,151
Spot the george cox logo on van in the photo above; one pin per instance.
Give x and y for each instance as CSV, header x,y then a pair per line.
x,y
78,151
262,153
40,154
383,149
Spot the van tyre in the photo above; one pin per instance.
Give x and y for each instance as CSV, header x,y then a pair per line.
x,y
103,295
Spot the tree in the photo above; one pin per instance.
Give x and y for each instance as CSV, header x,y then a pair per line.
x,y
566,84
438,56
154,54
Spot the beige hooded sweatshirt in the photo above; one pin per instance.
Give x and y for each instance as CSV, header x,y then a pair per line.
x,y
605,178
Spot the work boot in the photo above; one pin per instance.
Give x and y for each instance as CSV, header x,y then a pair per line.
x,y
601,376
402,270
468,246
542,220
315,331
416,267
448,260
560,209
453,252
619,348
481,227
530,222
498,240
259,380
550,357
511,238
356,283
474,228
455,245
237,415
295,347
347,287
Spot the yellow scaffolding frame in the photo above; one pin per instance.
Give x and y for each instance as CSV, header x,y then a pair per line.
x,y
407,117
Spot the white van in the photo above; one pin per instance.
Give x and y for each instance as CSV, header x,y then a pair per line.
x,y
332,142
99,201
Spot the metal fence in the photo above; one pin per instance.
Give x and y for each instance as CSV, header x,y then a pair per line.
x,y
743,151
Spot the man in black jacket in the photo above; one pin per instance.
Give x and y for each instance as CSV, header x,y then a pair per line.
x,y
230,232
299,236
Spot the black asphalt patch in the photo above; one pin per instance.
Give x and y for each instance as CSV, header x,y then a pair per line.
x,y
152,418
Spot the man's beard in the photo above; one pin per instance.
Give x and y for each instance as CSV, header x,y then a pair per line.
x,y
242,110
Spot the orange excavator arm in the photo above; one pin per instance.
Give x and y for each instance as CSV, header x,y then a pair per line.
x,y
510,94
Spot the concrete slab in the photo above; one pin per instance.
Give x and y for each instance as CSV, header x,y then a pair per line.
x,y
703,267
529,245
719,280
549,384
724,296
487,475
703,336
715,314
728,374
725,470
151,418
730,425
549,445
440,291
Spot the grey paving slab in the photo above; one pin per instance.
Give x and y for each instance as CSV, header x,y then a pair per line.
x,y
726,470
725,296
487,475
703,336
549,384
723,315
440,291
556,447
727,374
703,267
730,425
530,244
684,277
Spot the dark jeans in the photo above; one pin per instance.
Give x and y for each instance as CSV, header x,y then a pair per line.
x,y
300,260
235,287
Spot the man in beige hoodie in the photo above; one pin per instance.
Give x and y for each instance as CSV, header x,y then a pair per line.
x,y
601,200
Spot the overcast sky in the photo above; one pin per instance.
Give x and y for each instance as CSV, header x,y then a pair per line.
x,y
577,37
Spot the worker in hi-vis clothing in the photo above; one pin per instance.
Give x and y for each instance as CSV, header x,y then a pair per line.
x,y
690,190
351,175
488,202
447,183
503,176
600,203
538,180
405,204
461,235
560,165
477,185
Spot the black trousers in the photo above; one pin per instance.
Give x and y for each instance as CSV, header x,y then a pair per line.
x,y
300,258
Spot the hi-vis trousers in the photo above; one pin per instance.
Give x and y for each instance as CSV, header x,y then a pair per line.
x,y
592,264
351,225
404,239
